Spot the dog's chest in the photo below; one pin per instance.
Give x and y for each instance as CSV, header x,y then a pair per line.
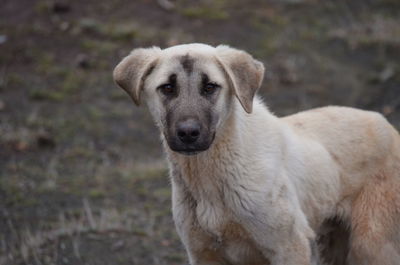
x,y
208,192
214,213
235,246
238,248
211,216
230,239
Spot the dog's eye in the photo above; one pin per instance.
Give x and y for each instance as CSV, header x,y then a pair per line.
x,y
210,88
167,89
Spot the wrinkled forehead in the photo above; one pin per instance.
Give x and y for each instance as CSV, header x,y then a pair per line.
x,y
188,63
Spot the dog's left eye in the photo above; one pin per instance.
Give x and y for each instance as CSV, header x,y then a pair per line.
x,y
167,89
210,88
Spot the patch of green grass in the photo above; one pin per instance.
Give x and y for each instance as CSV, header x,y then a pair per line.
x,y
279,21
164,192
176,257
148,173
72,81
138,231
122,32
79,152
141,190
45,62
99,47
118,94
15,79
96,194
14,194
42,94
115,32
95,113
205,13
267,47
42,7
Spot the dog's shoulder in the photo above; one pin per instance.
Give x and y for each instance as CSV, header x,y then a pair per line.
x,y
332,112
334,118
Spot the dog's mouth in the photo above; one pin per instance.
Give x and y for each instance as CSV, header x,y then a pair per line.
x,y
189,153
190,149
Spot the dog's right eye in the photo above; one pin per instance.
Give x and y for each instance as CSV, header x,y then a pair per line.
x,y
167,89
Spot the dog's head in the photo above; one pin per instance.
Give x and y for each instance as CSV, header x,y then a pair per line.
x,y
189,89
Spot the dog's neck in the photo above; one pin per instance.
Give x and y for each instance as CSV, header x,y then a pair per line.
x,y
234,140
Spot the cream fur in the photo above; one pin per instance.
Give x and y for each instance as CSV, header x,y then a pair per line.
x,y
261,192
279,179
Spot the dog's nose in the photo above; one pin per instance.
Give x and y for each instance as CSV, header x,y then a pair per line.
x,y
188,131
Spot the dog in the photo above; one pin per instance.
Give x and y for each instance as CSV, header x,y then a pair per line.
x,y
251,188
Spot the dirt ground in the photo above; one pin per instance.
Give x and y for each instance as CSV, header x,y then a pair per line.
x,y
82,175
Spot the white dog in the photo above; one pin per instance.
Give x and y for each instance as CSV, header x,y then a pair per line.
x,y
250,188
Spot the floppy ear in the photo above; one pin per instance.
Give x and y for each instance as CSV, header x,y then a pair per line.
x,y
132,71
244,73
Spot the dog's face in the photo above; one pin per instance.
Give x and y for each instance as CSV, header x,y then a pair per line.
x,y
188,95
190,88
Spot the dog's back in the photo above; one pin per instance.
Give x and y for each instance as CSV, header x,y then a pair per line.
x,y
359,141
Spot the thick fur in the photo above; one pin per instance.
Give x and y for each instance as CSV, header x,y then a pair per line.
x,y
263,190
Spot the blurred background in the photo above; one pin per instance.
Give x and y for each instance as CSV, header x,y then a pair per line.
x,y
82,175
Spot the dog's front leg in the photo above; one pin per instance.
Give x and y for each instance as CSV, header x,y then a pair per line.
x,y
198,244
278,228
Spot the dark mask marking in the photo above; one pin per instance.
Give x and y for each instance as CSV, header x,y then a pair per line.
x,y
204,79
212,97
172,79
187,63
173,82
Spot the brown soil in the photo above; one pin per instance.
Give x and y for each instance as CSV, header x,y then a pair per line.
x,y
82,177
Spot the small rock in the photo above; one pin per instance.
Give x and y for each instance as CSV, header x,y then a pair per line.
x,y
3,39
166,4
64,26
387,73
287,71
2,105
118,245
165,243
387,110
82,60
61,7
65,260
21,146
44,140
